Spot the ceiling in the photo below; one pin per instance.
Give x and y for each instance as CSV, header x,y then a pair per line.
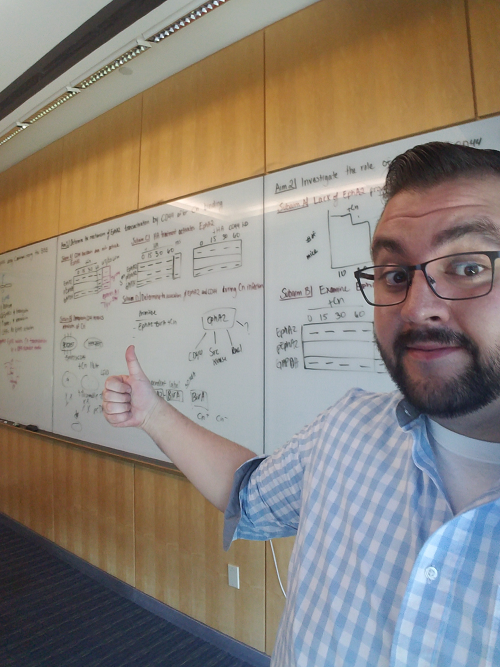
x,y
32,31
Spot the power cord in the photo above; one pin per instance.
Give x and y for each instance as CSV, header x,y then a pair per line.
x,y
276,567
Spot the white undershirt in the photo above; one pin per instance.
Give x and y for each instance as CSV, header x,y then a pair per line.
x,y
468,468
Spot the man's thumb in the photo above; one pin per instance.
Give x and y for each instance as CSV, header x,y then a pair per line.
x,y
134,367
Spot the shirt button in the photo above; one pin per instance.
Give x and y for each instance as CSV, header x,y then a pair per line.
x,y
430,573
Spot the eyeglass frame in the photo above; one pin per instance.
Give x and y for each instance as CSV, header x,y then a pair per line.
x,y
410,270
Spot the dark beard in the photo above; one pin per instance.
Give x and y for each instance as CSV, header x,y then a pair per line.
x,y
476,387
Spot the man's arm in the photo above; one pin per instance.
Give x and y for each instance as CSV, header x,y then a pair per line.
x,y
208,460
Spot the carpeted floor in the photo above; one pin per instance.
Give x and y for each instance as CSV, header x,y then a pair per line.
x,y
52,615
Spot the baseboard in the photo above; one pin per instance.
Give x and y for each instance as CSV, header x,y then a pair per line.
x,y
204,632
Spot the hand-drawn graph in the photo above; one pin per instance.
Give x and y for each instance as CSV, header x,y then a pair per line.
x,y
335,346
350,241
158,264
217,257
91,280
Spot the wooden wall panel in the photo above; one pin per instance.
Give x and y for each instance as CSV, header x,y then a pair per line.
x,y
157,534
485,41
275,600
9,208
26,479
342,75
204,126
179,558
238,613
101,167
29,198
94,509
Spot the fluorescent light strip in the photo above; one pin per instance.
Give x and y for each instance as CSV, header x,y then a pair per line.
x,y
116,64
186,20
141,47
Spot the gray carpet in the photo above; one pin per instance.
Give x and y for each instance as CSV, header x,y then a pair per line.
x,y
52,615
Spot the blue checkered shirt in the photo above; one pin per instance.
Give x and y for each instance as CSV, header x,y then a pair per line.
x,y
382,572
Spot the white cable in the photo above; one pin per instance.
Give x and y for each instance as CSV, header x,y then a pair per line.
x,y
276,567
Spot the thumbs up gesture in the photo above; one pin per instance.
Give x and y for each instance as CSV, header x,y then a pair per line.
x,y
208,460
129,400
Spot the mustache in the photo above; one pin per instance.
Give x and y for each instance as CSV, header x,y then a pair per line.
x,y
433,335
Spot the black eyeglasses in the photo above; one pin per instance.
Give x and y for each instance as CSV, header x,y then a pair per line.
x,y
465,275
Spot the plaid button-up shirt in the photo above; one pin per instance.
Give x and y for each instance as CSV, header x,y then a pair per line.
x,y
382,573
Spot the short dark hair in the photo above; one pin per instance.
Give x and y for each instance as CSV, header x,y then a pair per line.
x,y
434,163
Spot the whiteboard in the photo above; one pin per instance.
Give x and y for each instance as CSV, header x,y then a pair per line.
x,y
319,222
251,359
27,281
184,283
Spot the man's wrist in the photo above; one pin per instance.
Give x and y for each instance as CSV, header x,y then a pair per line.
x,y
156,413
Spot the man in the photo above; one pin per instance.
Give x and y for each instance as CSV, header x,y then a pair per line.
x,y
394,498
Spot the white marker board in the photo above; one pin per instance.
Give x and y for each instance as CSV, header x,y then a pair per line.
x,y
184,283
319,222
27,281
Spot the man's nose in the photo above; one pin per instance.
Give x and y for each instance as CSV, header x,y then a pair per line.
x,y
421,304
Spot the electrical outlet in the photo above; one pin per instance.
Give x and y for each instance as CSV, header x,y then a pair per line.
x,y
233,576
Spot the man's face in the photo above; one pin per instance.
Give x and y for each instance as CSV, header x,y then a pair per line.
x,y
444,355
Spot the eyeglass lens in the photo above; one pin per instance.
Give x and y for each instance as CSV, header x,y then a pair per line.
x,y
461,276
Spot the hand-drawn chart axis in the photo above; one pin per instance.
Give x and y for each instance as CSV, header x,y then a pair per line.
x,y
350,242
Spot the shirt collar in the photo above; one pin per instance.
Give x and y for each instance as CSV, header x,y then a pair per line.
x,y
406,413
423,457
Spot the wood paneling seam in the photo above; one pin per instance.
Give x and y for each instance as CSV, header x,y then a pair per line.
x,y
471,58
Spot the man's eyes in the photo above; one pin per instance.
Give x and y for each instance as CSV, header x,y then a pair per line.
x,y
393,276
466,269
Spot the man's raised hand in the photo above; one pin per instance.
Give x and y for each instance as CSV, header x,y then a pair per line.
x,y
129,400
208,460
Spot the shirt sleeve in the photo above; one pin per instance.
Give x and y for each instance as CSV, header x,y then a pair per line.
x,y
267,491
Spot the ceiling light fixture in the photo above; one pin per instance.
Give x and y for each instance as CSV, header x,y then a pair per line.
x,y
115,64
141,47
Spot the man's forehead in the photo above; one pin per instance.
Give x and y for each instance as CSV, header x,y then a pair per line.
x,y
465,201
462,192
